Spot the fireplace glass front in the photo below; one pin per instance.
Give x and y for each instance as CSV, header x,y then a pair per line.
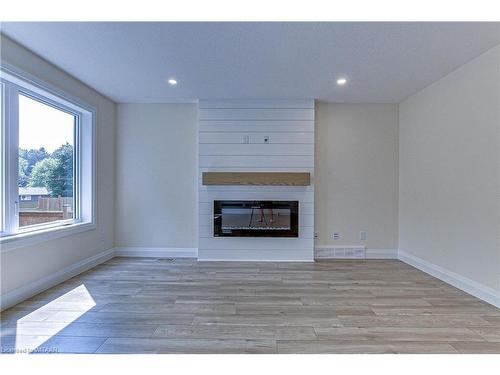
x,y
256,218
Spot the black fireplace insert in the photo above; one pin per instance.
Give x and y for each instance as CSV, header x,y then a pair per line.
x,y
256,218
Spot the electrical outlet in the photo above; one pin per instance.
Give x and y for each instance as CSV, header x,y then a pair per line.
x,y
316,235
335,236
363,235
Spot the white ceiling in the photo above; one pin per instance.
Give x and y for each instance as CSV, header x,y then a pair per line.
x,y
130,62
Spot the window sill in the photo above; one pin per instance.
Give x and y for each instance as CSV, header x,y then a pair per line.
x,y
43,235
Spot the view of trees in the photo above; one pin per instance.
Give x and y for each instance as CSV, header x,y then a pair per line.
x,y
54,171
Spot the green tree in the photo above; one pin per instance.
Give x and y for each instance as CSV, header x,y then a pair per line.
x,y
43,174
55,172
32,157
64,170
23,179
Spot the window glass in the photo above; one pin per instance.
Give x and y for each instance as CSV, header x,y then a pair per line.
x,y
46,163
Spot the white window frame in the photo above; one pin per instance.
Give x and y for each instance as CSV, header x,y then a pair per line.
x,y
15,82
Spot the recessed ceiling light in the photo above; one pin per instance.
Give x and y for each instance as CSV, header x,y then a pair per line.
x,y
172,81
341,81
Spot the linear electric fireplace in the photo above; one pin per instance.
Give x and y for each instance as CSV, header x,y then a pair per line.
x,y
256,218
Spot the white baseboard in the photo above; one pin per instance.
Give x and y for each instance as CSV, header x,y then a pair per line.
x,y
20,294
329,252
156,252
472,287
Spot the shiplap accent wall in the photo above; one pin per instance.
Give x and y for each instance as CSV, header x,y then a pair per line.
x,y
289,124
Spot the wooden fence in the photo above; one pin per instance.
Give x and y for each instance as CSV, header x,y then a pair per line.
x,y
54,204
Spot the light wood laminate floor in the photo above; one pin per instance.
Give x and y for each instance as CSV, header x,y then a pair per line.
x,y
139,305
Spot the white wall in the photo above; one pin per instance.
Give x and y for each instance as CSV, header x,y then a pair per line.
x,y
449,172
355,178
356,168
289,124
156,176
25,265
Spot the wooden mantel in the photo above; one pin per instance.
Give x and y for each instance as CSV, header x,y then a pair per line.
x,y
257,178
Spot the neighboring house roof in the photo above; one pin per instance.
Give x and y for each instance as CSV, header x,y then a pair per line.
x,y
33,191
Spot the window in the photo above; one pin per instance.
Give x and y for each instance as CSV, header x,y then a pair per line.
x,y
47,159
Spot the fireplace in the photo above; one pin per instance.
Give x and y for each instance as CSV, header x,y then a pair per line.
x,y
256,218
